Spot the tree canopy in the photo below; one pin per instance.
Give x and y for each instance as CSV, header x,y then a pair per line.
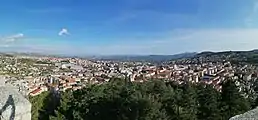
x,y
152,100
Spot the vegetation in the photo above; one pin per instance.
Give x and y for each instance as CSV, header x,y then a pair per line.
x,y
153,100
235,57
26,61
37,104
43,105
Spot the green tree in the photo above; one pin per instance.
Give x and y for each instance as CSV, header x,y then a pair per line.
x,y
37,104
189,102
232,102
120,99
172,104
208,100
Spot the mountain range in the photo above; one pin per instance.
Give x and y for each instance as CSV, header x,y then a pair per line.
x,y
149,58
144,57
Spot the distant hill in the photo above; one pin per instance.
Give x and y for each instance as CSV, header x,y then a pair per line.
x,y
226,53
233,56
109,57
243,56
145,57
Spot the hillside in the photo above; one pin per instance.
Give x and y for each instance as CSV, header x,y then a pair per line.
x,y
149,58
236,57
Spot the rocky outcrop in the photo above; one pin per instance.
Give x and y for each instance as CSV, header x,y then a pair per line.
x,y
250,115
13,106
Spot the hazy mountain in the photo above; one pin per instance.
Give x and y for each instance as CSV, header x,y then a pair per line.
x,y
145,57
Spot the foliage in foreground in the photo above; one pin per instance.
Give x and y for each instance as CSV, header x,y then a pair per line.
x,y
43,105
37,104
153,100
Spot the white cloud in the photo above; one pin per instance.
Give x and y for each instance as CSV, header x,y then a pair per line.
x,y
4,46
64,31
176,41
252,17
192,40
12,38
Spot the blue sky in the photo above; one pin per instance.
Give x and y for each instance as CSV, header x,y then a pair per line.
x,y
106,27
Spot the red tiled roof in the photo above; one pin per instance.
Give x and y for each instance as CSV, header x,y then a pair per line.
x,y
36,91
72,80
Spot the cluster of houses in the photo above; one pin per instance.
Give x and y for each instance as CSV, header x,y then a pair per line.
x,y
73,74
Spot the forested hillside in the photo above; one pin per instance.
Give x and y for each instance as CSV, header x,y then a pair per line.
x,y
153,100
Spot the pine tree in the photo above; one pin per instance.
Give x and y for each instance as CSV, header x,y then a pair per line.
x,y
172,103
189,102
208,100
232,102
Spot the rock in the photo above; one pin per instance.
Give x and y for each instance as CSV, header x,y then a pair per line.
x,y
13,106
250,115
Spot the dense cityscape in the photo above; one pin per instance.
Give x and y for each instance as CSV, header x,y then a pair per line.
x,y
32,76
129,60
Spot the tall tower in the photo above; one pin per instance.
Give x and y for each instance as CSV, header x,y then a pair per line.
x,y
175,67
16,61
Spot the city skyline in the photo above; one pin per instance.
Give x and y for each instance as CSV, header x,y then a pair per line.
x,y
127,26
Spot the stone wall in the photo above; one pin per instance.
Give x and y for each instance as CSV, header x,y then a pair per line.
x,y
250,115
13,106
